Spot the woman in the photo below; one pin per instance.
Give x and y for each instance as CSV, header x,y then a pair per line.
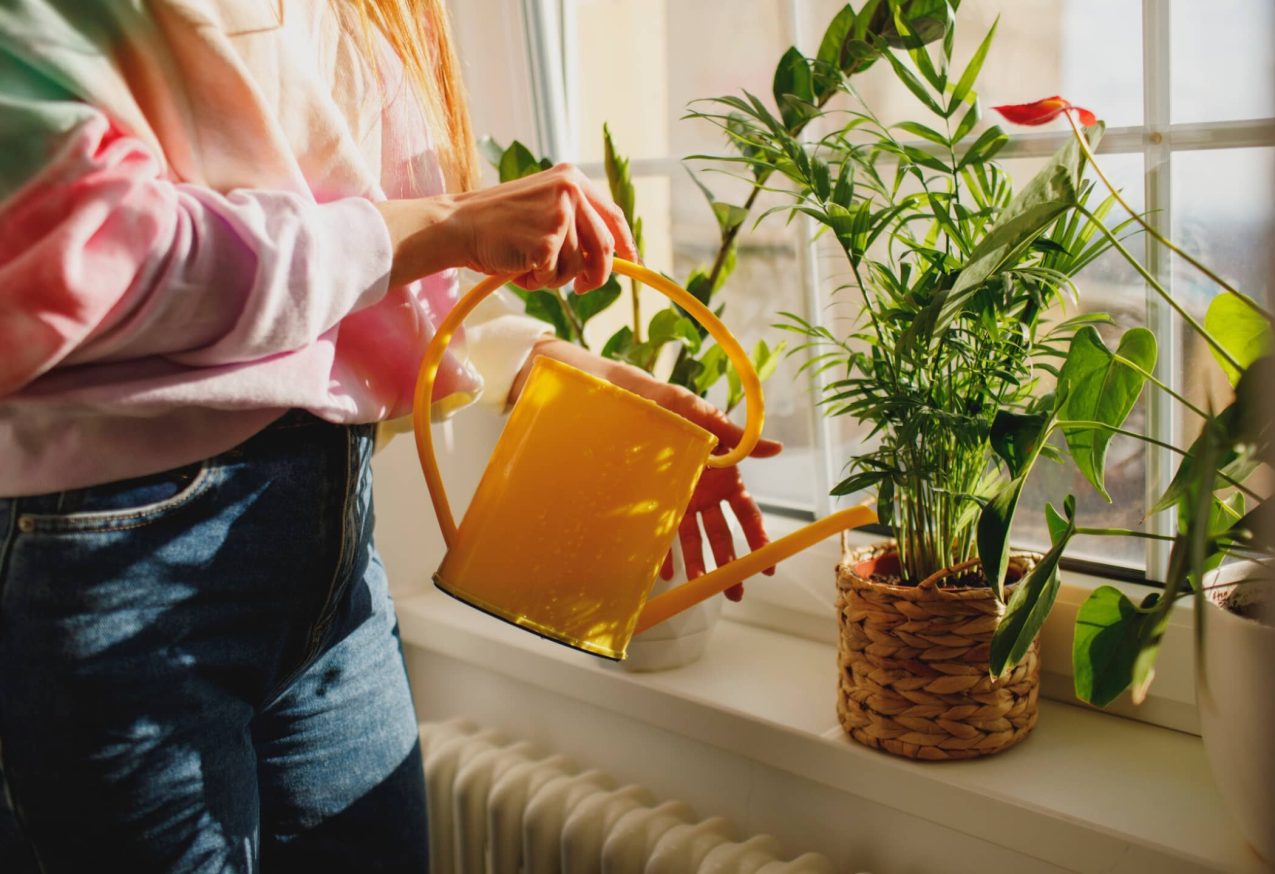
x,y
225,235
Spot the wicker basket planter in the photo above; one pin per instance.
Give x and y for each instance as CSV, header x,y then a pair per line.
x,y
914,663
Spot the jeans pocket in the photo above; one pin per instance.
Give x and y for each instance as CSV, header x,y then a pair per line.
x,y
122,505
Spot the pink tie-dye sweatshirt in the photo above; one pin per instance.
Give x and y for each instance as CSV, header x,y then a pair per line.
x,y
188,245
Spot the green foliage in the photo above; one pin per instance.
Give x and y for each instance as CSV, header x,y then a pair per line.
x,y
1098,386
1241,330
1033,597
1115,645
955,273
569,314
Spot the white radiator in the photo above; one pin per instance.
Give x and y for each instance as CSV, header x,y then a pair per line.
x,y
501,807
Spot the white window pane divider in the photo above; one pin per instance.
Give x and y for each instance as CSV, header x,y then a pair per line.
x,y
1158,158
827,472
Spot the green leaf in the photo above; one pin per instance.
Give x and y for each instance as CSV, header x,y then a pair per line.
x,y
925,133
967,123
587,305
913,84
994,524
1049,194
1017,438
517,162
1245,439
765,360
547,306
669,325
831,49
966,83
793,78
1114,645
1240,329
713,365
620,182
859,481
1033,598
618,346
984,148
1096,386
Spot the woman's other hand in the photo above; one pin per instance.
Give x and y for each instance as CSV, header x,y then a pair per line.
x,y
546,229
719,489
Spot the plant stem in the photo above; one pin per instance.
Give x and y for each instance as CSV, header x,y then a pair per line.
x,y
1160,290
637,311
571,316
1160,238
1103,426
1150,377
1124,532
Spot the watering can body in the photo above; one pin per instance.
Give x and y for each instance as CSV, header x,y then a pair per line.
x,y
583,495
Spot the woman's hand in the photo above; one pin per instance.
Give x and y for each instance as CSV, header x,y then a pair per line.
x,y
548,229
716,486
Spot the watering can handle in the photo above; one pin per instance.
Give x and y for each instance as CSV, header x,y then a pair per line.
x,y
683,298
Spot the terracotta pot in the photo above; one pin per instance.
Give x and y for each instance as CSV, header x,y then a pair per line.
x,y
1235,688
914,677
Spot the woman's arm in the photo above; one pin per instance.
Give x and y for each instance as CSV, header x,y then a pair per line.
x,y
547,229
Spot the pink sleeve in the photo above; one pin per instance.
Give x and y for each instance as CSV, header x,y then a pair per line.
x,y
102,258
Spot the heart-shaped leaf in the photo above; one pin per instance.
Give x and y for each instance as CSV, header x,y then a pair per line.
x,y
1242,330
1033,597
1097,386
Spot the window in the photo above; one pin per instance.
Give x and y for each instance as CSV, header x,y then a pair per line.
x,y
1187,91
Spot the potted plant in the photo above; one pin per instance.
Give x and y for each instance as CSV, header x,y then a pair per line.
x,y
1222,553
665,342
958,279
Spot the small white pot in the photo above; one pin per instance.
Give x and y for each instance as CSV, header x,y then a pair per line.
x,y
679,640
1235,688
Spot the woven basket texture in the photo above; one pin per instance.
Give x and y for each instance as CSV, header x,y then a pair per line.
x,y
914,677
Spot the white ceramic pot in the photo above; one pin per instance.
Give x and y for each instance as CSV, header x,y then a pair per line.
x,y
1235,688
677,641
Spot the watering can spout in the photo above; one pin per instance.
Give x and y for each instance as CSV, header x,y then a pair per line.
x,y
701,588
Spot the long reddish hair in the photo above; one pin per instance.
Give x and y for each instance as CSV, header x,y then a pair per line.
x,y
420,32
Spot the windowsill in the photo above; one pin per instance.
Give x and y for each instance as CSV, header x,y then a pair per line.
x,y
799,600
1085,789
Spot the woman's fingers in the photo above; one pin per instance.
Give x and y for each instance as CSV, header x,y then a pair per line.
x,y
750,520
596,248
713,420
613,218
719,536
692,546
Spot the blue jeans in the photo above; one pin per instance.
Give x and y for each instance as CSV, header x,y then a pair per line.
x,y
200,670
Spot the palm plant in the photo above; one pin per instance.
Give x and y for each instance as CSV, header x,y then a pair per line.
x,y
957,276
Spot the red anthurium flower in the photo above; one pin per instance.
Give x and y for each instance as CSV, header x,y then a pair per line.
x,y
1043,111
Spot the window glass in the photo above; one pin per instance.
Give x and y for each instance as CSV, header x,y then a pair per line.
x,y
1223,68
1222,215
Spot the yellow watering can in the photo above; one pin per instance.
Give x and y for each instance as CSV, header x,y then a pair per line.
x,y
583,495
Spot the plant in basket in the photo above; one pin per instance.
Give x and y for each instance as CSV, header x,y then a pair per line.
x,y
666,341
960,283
1221,556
